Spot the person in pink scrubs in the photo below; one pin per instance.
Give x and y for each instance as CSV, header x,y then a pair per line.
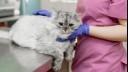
x,y
101,49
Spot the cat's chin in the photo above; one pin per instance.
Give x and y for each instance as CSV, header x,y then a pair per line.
x,y
64,36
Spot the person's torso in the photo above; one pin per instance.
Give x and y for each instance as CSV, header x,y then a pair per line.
x,y
95,12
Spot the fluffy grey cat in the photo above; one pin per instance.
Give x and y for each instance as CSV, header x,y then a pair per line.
x,y
40,33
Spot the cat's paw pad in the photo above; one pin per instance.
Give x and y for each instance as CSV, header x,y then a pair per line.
x,y
57,68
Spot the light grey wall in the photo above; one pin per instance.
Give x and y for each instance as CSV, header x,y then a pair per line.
x,y
46,4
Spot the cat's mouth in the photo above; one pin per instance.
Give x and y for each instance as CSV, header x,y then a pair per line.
x,y
64,35
66,32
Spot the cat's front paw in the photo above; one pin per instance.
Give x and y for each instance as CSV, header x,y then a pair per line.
x,y
57,67
69,58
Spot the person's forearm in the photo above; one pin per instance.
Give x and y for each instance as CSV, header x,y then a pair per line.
x,y
112,33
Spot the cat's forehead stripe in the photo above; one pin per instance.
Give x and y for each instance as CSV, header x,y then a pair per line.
x,y
65,17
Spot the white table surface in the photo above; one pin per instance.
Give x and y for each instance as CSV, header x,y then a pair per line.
x,y
14,58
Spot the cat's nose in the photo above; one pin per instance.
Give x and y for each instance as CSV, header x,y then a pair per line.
x,y
65,29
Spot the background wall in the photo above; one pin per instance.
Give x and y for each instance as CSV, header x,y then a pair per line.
x,y
47,4
29,6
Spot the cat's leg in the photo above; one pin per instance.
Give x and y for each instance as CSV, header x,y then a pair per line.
x,y
58,62
58,57
69,53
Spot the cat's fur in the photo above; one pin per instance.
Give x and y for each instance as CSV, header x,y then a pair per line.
x,y
40,33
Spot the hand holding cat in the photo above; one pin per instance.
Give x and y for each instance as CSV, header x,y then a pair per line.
x,y
81,30
43,13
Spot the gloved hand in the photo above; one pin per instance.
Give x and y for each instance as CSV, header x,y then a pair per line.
x,y
64,40
43,13
82,30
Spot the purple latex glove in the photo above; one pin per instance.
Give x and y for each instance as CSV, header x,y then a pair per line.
x,y
43,13
64,40
82,30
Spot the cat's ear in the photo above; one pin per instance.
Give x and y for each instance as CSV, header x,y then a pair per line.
x,y
77,16
56,12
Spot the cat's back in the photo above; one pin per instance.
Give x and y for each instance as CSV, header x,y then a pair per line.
x,y
31,24
28,29
32,21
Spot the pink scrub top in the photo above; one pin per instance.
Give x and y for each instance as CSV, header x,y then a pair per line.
x,y
98,55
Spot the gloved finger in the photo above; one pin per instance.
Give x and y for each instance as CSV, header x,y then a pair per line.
x,y
72,36
72,40
75,32
44,13
61,40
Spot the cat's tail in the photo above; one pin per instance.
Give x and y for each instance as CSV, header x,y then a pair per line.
x,y
4,34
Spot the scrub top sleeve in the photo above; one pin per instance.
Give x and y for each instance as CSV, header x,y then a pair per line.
x,y
77,10
118,9
78,7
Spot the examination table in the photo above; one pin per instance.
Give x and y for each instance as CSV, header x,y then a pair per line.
x,y
14,58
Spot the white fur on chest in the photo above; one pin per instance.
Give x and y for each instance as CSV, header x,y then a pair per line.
x,y
47,44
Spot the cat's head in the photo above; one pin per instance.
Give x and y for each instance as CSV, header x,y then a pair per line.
x,y
66,22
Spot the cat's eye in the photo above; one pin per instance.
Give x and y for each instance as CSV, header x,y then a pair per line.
x,y
60,23
71,24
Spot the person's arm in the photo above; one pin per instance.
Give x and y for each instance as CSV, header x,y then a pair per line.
x,y
112,33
